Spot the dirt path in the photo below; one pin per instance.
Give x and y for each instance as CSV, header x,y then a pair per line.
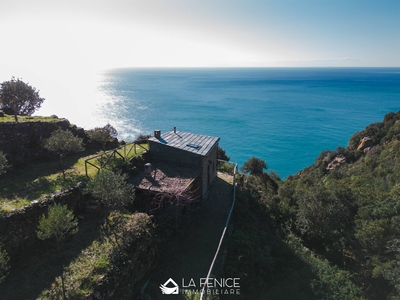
x,y
188,254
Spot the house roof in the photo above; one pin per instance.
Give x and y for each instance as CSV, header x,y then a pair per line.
x,y
191,142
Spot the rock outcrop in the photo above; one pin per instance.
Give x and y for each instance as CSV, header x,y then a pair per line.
x,y
336,162
365,142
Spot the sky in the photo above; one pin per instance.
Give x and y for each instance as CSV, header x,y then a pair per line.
x,y
185,33
45,42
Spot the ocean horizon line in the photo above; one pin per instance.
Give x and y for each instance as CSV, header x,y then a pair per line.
x,y
248,67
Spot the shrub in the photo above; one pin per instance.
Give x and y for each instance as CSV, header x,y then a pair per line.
x,y
254,166
111,189
59,223
102,135
63,142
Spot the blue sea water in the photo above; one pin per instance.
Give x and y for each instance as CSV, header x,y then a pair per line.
x,y
285,116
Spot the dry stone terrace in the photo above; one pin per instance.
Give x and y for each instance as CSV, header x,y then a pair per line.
x,y
165,178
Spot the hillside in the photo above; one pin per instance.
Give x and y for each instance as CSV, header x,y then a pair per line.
x,y
332,231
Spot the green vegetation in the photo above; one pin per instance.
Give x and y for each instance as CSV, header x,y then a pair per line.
x,y
114,159
24,119
63,142
111,189
254,166
59,223
40,179
4,258
222,154
95,264
102,135
37,180
19,98
3,163
332,231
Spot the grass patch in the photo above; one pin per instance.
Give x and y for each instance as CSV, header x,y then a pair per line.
x,y
94,264
21,186
18,187
113,160
23,119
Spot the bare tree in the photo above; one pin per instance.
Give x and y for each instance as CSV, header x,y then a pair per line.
x,y
178,195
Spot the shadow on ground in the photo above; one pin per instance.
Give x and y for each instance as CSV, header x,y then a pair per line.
x,y
188,253
38,266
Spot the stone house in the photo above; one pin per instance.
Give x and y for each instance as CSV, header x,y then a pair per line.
x,y
184,149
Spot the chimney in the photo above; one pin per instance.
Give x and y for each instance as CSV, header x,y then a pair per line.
x,y
174,129
147,169
157,134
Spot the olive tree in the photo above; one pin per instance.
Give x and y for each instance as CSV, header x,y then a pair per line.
x,y
111,189
63,142
59,223
19,98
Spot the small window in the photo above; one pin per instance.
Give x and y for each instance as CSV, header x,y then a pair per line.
x,y
195,146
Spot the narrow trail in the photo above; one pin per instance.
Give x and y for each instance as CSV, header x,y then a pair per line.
x,y
188,254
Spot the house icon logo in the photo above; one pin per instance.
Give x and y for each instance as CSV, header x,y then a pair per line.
x,y
172,289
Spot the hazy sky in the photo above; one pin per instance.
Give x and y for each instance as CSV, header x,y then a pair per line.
x,y
59,46
93,34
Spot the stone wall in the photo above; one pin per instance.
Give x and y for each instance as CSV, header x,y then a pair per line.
x,y
23,142
209,167
18,229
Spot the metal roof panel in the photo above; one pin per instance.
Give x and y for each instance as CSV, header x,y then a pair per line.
x,y
186,140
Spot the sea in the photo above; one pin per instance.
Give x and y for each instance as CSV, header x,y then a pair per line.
x,y
285,116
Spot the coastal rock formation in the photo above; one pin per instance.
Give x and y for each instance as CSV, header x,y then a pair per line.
x,y
365,142
336,162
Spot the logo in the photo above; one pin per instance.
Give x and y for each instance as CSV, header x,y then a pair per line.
x,y
201,286
169,290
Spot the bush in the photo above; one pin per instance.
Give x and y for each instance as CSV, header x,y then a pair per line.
x,y
225,167
111,189
59,223
63,142
254,166
102,135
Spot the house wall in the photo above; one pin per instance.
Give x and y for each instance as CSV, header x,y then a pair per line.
x,y
209,166
165,154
